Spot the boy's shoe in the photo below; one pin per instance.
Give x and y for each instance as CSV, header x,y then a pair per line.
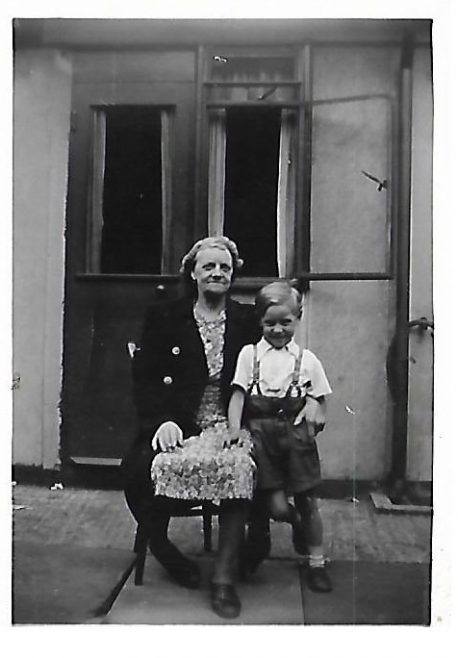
x,y
318,579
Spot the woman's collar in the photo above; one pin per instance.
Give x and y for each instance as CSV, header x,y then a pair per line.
x,y
186,305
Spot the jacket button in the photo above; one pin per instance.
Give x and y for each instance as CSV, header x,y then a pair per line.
x,y
175,350
167,380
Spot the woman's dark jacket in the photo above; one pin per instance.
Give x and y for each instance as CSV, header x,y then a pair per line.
x,y
169,377
170,369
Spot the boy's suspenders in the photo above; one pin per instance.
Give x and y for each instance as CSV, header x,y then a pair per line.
x,y
255,368
294,386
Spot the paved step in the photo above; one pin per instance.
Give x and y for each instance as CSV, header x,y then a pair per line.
x,y
272,597
64,584
371,593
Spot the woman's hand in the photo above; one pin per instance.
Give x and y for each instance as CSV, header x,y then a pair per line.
x,y
168,436
314,414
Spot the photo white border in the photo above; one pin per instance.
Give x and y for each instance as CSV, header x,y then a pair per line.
x,y
219,642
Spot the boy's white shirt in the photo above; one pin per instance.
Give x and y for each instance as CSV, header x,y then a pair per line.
x,y
276,368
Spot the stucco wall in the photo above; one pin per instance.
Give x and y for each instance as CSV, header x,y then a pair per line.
x,y
42,95
419,447
41,126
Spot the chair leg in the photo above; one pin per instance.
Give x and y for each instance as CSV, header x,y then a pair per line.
x,y
207,518
137,539
140,547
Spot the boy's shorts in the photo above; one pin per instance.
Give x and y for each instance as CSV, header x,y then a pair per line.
x,y
286,457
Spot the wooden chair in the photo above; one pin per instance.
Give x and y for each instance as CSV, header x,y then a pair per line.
x,y
206,510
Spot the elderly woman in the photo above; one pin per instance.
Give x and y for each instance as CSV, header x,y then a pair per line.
x,y
183,453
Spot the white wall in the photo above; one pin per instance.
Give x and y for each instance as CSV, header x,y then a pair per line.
x,y
42,101
41,125
419,446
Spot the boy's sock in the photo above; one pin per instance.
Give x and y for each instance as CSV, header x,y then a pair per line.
x,y
317,561
317,575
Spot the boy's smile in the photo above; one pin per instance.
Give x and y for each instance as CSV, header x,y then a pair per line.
x,y
278,325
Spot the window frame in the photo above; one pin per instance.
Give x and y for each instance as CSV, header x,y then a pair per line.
x,y
306,276
94,214
302,80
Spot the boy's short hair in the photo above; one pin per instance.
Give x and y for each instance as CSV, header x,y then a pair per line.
x,y
278,293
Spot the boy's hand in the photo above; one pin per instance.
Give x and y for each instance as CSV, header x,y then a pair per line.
x,y
313,413
233,438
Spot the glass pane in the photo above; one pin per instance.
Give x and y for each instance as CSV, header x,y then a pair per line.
x,y
266,70
131,234
349,210
352,134
267,93
252,154
232,68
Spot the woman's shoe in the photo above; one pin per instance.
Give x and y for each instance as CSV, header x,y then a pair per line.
x,y
225,601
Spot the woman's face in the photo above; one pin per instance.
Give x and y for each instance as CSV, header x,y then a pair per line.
x,y
213,271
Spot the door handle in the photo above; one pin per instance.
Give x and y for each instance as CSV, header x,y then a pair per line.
x,y
392,355
422,323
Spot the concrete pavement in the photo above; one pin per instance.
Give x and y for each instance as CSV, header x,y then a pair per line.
x,y
379,565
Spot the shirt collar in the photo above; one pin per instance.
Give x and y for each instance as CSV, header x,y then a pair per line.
x,y
263,347
200,319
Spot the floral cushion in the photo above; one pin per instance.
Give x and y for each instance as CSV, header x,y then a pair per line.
x,y
203,470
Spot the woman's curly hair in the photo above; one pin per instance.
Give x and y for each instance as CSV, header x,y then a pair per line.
x,y
220,242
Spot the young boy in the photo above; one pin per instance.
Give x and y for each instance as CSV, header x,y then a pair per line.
x,y
279,391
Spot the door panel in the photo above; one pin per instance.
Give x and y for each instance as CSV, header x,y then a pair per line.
x,y
99,418
103,312
349,323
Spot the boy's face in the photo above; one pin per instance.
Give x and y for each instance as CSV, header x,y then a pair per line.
x,y
278,325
